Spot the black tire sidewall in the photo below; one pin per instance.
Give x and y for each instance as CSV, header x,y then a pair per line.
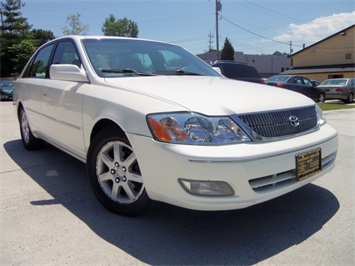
x,y
322,97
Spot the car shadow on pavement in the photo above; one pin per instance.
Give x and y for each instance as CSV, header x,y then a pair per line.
x,y
168,235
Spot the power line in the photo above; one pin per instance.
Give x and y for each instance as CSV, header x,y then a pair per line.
x,y
285,43
256,34
273,11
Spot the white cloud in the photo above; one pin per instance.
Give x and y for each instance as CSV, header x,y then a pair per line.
x,y
317,29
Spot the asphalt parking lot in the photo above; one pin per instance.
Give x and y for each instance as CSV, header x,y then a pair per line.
x,y
50,216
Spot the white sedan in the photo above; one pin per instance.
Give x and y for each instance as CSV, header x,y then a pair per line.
x,y
153,122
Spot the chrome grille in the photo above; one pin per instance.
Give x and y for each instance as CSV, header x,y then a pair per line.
x,y
277,123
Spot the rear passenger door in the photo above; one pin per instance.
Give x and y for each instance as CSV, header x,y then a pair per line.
x,y
62,103
309,90
29,87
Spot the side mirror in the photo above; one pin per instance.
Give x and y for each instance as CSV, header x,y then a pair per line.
x,y
67,72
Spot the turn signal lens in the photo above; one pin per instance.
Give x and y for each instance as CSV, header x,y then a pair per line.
x,y
159,130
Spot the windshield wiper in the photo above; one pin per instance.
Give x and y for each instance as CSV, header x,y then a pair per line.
x,y
125,71
183,72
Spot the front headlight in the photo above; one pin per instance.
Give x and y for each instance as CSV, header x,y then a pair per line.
x,y
190,128
320,116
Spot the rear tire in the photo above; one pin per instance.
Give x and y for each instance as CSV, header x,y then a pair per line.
x,y
29,141
350,98
322,98
114,174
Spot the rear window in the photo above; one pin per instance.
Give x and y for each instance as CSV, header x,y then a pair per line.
x,y
338,82
239,71
278,78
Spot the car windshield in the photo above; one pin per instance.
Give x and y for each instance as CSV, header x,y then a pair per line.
x,y
278,78
6,84
132,57
337,82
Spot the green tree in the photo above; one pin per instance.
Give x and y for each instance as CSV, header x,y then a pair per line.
x,y
227,51
121,27
42,36
74,26
14,30
23,52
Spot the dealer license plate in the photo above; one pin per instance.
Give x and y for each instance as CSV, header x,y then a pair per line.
x,y
308,164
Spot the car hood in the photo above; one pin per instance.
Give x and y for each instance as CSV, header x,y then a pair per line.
x,y
212,95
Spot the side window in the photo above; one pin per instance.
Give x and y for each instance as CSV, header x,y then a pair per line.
x,y
39,65
173,61
308,83
298,80
146,62
229,71
65,53
292,80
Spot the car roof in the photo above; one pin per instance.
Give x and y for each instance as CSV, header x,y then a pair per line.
x,y
103,37
7,81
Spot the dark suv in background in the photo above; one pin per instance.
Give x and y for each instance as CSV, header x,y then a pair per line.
x,y
239,71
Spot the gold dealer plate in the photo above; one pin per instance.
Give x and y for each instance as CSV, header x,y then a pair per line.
x,y
308,164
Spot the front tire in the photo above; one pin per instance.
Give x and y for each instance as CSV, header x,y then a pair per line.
x,y
114,174
29,141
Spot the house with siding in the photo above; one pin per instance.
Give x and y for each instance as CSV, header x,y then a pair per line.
x,y
332,57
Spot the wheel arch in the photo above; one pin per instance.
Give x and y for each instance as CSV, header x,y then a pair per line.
x,y
102,124
18,107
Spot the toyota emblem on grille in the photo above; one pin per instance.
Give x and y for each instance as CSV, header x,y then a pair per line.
x,y
295,122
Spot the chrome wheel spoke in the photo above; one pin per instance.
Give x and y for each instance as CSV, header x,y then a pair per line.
x,y
115,190
117,152
104,177
118,172
128,190
130,160
25,127
134,177
106,159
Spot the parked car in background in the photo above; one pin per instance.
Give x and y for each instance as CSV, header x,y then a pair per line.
x,y
6,89
337,89
298,84
315,82
239,71
154,122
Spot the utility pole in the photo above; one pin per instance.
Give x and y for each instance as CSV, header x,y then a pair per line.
x,y
210,36
218,8
291,50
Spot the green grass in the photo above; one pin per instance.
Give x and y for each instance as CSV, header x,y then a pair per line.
x,y
335,106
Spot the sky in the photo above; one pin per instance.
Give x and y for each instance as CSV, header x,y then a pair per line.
x,y
252,26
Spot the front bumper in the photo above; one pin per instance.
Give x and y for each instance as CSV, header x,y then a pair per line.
x,y
245,167
6,96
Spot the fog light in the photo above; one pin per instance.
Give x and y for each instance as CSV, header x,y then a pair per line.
x,y
207,188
